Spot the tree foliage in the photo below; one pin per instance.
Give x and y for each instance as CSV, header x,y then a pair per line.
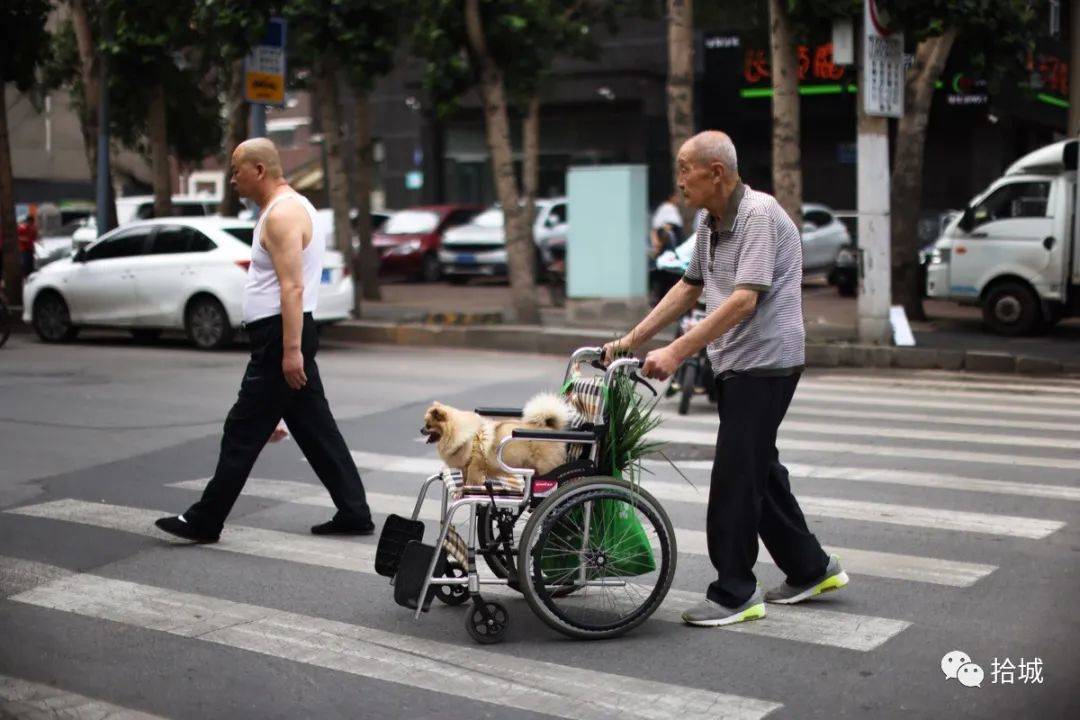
x,y
24,42
524,37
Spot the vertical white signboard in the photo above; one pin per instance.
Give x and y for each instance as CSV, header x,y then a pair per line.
x,y
883,61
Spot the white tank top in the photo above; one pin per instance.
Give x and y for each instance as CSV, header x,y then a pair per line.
x,y
262,294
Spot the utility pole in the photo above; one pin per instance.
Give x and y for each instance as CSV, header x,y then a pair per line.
x,y
258,120
104,173
881,96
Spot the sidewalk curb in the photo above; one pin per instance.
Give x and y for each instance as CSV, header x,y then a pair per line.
x,y
562,341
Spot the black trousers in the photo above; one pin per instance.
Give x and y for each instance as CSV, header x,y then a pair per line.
x,y
265,398
750,493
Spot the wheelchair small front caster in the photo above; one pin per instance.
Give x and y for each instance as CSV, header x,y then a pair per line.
x,y
487,622
452,594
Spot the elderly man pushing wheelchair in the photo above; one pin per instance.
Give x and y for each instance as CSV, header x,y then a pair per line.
x,y
748,262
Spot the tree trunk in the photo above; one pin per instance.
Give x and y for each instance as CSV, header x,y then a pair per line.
x,y
336,181
365,156
159,152
91,97
88,72
530,167
906,200
8,222
786,138
680,86
520,249
236,134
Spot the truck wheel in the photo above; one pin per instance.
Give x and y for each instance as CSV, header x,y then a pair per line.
x,y
1012,309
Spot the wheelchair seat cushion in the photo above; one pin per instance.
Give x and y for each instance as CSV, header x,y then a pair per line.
x,y
454,480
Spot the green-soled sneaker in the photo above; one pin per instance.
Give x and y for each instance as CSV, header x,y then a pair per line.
x,y
833,579
711,614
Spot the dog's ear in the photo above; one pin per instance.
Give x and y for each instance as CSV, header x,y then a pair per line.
x,y
437,413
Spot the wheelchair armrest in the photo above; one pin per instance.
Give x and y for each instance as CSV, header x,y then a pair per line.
x,y
575,436
499,411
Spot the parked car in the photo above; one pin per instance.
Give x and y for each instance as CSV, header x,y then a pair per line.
x,y
141,207
822,237
844,273
478,249
169,273
409,242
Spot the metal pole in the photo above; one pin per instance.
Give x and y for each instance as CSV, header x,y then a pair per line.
x,y
103,167
258,120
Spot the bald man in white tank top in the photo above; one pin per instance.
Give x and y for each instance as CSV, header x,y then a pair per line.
x,y
282,380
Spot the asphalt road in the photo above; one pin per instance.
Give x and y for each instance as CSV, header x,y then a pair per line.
x,y
952,500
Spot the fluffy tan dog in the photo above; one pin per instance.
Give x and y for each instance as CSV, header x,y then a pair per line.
x,y
469,442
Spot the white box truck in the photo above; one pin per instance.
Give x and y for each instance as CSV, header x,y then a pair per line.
x,y
1014,250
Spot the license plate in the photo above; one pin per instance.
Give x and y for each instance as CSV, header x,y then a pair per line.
x,y
326,276
465,259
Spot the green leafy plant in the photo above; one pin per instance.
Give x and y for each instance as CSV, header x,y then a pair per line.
x,y
631,417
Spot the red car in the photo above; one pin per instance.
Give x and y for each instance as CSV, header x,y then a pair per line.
x,y
408,243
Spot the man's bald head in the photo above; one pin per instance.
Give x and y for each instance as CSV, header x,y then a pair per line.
x,y
712,146
259,151
707,170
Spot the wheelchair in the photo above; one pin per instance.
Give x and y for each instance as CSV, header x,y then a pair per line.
x,y
593,555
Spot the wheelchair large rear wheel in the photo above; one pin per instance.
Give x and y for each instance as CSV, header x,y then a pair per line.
x,y
597,558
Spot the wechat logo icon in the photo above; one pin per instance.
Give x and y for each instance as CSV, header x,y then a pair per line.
x,y
957,666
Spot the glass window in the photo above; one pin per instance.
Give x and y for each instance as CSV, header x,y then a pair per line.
x,y
817,218
188,209
489,218
411,221
171,240
459,217
175,239
243,234
199,242
145,211
557,216
126,244
1016,200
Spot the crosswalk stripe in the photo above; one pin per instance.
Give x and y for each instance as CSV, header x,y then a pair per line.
x,y
843,509
849,397
863,562
692,437
464,671
906,477
34,701
953,375
888,513
836,429
976,396
925,418
832,629
427,466
926,382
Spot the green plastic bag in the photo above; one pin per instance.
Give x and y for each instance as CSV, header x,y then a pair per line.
x,y
614,531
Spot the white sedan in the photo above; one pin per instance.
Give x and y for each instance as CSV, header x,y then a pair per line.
x,y
169,273
822,237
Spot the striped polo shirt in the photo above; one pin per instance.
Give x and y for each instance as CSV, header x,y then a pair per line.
x,y
753,245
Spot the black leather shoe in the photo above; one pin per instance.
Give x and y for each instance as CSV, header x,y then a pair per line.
x,y
338,526
176,525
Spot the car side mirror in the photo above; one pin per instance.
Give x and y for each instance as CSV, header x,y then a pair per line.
x,y
808,227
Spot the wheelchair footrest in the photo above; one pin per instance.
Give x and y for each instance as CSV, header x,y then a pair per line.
x,y
412,573
397,532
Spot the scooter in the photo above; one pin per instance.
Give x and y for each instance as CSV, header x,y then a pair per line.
x,y
696,373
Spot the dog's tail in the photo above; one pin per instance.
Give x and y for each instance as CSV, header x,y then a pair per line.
x,y
547,410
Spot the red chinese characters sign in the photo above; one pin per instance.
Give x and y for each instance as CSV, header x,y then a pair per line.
x,y
815,64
